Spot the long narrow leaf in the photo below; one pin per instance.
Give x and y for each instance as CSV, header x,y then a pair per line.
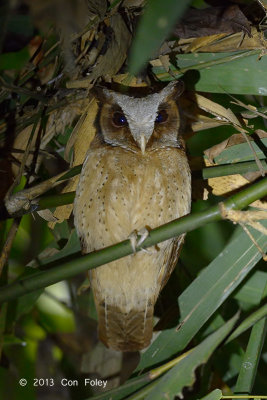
x,y
248,322
183,374
205,295
159,18
251,359
242,72
214,395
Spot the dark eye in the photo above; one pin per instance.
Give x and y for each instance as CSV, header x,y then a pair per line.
x,y
162,116
119,119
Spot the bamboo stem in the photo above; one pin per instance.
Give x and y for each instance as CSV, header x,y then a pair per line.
x,y
66,270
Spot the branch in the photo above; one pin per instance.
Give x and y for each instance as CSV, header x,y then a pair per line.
x,y
28,197
232,169
174,228
207,173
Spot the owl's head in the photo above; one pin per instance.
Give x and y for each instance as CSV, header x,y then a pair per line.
x,y
140,124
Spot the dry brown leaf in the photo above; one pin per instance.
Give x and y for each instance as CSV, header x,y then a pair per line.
x,y
218,110
57,121
226,185
237,41
97,7
132,80
218,19
47,215
109,63
112,60
261,204
165,62
204,123
227,115
133,3
200,42
214,151
244,218
80,139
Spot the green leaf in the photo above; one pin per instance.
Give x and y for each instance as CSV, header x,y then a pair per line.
x,y
11,340
53,313
24,304
252,290
239,72
14,60
227,361
214,395
251,359
183,374
71,247
241,152
19,24
248,322
119,393
205,295
157,22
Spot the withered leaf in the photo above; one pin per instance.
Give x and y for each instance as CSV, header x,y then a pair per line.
x,y
80,140
212,20
47,215
111,61
97,7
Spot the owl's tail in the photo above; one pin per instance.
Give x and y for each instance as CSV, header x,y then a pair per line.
x,y
125,331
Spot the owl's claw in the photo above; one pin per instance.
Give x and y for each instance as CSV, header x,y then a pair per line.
x,y
137,238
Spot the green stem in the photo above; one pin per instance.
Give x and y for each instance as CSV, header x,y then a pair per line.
x,y
174,228
67,198
207,173
255,397
232,169
55,200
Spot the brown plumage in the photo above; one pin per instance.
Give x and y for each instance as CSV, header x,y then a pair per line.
x,y
135,175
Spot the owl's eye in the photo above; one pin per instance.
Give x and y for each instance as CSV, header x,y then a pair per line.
x,y
119,119
162,116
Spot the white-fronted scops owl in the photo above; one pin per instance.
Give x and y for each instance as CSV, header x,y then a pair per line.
x,y
135,175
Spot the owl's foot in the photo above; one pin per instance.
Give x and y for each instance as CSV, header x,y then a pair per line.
x,y
137,238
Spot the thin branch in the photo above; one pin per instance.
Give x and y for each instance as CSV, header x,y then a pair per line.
x,y
232,169
66,270
56,200
8,243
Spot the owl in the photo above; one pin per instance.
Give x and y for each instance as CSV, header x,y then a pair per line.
x,y
135,175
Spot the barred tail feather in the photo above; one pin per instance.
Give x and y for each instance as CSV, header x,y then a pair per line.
x,y
125,331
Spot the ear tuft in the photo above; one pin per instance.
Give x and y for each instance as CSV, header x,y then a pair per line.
x,y
102,94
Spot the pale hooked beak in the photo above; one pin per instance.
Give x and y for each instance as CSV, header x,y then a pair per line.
x,y
143,144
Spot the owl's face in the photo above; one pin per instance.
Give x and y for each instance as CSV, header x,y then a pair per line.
x,y
141,124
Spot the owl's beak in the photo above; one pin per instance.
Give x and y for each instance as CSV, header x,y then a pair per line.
x,y
143,144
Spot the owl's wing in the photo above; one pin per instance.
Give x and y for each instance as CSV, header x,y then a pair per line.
x,y
170,259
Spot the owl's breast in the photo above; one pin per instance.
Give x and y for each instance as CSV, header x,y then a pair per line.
x,y
119,192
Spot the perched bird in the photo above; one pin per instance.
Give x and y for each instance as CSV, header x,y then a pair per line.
x,y
135,175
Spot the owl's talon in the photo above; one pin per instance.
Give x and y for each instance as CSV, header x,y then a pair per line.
x,y
132,237
142,234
